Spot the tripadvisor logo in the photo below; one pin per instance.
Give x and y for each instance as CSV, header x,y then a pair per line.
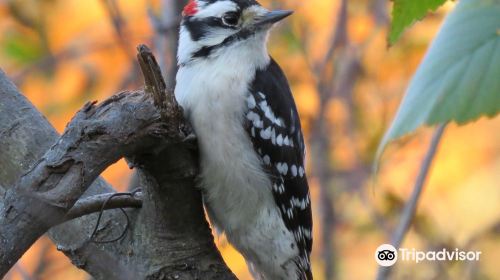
x,y
387,255
441,255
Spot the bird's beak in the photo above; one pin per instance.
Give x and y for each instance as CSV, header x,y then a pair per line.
x,y
272,17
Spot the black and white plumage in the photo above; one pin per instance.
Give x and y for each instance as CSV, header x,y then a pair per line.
x,y
274,127
251,146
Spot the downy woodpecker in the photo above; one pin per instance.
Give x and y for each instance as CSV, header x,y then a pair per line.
x,y
251,146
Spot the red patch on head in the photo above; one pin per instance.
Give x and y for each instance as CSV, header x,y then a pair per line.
x,y
191,8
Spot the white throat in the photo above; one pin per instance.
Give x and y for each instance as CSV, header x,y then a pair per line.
x,y
226,71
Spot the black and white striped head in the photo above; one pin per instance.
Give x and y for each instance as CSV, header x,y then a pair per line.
x,y
210,26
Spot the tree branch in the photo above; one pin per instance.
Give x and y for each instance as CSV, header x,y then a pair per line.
x,y
411,205
93,204
321,139
165,36
42,197
25,135
161,243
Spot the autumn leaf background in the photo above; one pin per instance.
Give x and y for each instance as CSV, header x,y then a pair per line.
x,y
64,53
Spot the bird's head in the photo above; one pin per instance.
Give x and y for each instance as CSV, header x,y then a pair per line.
x,y
209,27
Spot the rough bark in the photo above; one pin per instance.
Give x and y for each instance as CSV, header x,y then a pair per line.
x,y
96,137
169,236
25,135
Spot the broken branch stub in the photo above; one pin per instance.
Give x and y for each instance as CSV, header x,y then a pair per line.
x,y
155,85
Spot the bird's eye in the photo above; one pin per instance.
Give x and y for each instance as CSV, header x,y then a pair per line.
x,y
230,19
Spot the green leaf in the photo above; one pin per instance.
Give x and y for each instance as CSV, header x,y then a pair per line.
x,y
459,77
23,49
407,12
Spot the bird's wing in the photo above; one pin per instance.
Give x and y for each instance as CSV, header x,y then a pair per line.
x,y
273,125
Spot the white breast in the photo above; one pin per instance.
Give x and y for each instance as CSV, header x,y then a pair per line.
x,y
237,192
213,92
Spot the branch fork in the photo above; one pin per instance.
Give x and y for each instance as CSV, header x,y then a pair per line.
x,y
148,128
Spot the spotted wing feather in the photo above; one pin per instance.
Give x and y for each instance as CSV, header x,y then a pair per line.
x,y
273,124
